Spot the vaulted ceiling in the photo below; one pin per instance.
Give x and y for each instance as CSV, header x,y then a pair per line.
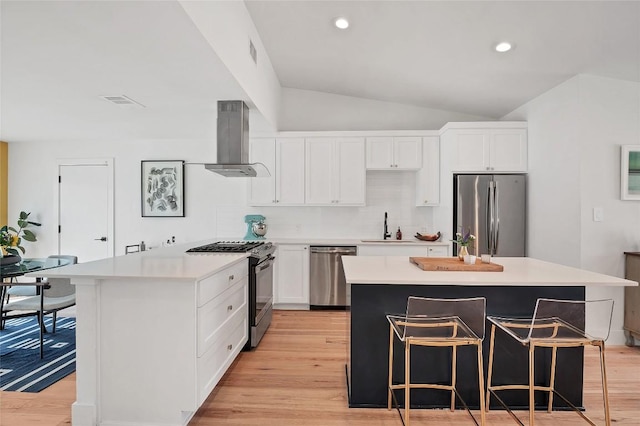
x,y
58,57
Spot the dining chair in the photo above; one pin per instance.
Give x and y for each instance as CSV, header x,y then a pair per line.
x,y
555,324
437,323
25,290
60,294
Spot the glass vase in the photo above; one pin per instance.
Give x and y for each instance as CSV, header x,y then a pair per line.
x,y
462,252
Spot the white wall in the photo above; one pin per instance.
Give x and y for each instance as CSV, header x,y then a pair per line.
x,y
575,133
228,27
215,206
304,110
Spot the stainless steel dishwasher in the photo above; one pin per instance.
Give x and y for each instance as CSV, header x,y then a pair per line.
x,y
327,285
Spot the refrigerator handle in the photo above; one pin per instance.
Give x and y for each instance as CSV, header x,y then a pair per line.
x,y
496,210
489,219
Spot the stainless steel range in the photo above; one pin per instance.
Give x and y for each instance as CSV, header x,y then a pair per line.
x,y
261,262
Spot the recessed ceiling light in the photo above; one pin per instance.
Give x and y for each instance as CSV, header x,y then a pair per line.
x,y
503,47
341,23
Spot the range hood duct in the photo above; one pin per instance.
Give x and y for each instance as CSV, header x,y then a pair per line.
x,y
233,143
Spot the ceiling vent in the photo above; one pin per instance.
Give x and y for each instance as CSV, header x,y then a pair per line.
x,y
122,101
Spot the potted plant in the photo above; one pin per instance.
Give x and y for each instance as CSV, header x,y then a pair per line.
x,y
11,239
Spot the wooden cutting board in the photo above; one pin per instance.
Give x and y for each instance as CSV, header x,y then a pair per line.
x,y
453,264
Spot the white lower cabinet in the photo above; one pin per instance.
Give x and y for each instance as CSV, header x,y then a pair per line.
x,y
170,340
222,325
226,345
291,289
403,249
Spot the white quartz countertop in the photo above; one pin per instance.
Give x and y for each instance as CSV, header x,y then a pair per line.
x,y
357,242
518,271
168,262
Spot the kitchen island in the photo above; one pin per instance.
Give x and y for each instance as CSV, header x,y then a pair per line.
x,y
156,331
381,286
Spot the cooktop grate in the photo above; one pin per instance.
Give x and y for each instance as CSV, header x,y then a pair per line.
x,y
226,247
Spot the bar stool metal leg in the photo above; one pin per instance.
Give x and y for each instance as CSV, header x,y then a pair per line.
x,y
490,368
605,390
407,381
389,391
481,384
532,403
453,376
552,379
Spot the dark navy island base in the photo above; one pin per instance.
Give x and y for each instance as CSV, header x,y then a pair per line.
x,y
369,341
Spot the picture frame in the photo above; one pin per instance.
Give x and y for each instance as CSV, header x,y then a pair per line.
x,y
162,188
630,172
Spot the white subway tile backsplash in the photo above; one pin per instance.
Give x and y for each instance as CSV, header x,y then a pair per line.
x,y
387,191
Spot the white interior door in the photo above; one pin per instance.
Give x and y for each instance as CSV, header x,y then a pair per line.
x,y
85,209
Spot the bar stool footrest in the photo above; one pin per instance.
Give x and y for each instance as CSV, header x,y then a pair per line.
x,y
464,404
555,392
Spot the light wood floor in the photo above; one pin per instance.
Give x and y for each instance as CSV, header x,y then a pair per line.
x,y
296,377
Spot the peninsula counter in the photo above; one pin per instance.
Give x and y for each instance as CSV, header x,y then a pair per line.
x,y
381,286
155,332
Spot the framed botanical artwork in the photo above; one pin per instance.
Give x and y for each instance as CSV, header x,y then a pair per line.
x,y
630,172
162,188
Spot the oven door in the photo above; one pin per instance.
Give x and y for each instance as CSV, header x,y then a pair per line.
x,y
264,288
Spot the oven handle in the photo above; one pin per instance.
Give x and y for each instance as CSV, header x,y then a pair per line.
x,y
264,265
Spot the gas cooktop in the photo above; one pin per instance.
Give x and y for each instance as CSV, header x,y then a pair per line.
x,y
226,247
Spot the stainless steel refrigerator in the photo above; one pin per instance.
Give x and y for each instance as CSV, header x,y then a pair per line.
x,y
494,208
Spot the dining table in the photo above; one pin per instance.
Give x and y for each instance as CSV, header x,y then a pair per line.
x,y
8,278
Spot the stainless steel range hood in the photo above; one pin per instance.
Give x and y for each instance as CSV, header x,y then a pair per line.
x,y
233,143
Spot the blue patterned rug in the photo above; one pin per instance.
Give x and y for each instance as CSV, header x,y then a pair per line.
x,y
21,368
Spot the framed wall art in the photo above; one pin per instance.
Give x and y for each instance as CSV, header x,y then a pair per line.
x,y
162,188
630,176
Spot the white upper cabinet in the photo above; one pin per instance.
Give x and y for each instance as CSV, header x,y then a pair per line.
x,y
394,153
285,160
489,149
428,177
335,171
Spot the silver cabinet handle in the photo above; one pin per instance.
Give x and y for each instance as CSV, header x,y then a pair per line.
x,y
100,239
230,308
229,347
231,277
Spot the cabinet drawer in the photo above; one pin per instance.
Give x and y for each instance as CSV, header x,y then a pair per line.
x,y
438,251
216,284
213,364
214,316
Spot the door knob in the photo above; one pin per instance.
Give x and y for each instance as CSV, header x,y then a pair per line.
x,y
100,239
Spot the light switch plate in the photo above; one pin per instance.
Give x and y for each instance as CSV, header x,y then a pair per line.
x,y
598,214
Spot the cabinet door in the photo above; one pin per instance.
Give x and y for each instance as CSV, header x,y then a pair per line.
x,y
292,276
392,249
262,191
350,177
508,150
472,150
407,153
428,177
290,171
380,153
438,251
320,171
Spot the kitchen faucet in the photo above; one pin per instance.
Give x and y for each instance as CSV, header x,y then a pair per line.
x,y
386,231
